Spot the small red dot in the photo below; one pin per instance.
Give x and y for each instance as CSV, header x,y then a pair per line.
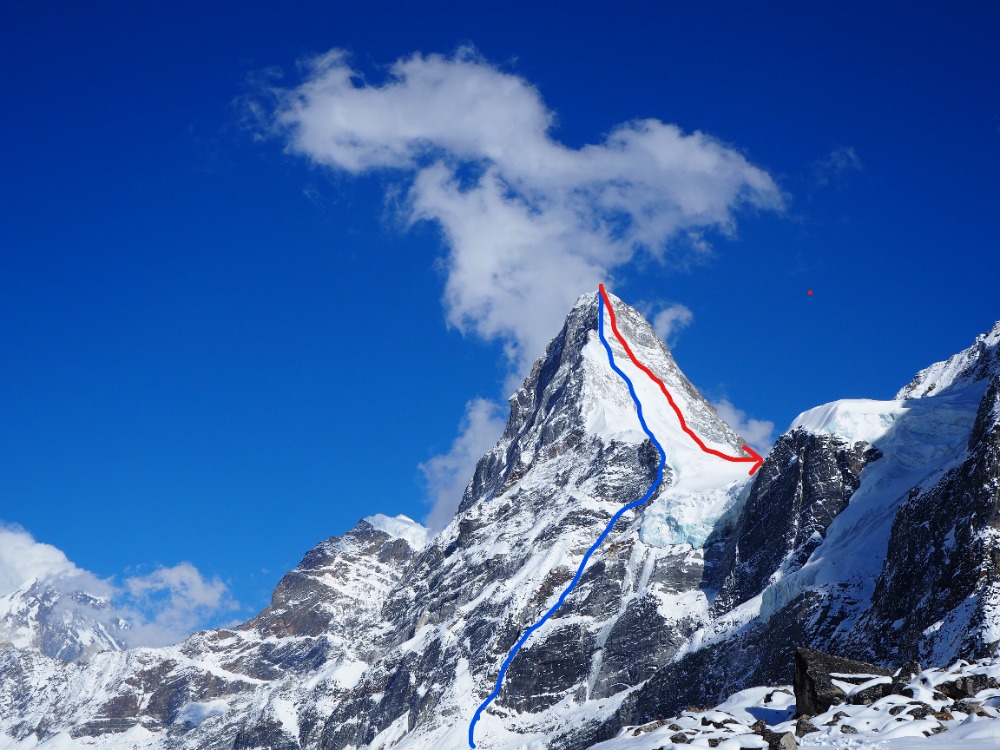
x,y
810,291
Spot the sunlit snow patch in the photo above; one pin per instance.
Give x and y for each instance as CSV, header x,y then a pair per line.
x,y
401,527
853,419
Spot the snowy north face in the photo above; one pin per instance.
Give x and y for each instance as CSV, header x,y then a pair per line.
x,y
869,532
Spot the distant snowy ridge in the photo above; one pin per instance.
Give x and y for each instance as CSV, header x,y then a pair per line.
x,y
975,363
57,618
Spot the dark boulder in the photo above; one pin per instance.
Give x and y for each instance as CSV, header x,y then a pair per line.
x,y
968,686
779,740
803,726
815,691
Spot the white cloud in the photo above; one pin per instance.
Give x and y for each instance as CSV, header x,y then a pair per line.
x,y
759,433
170,603
161,607
22,559
529,223
670,321
448,474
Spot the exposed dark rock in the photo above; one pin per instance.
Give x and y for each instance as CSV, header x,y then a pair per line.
x,y
835,718
871,694
968,686
804,726
902,676
806,481
814,688
967,706
920,711
779,740
540,677
265,735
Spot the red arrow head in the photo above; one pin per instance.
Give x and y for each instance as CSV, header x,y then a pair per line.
x,y
757,460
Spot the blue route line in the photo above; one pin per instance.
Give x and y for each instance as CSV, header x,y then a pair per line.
x,y
594,546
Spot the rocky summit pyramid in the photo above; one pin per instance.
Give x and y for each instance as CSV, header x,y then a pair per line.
x,y
870,531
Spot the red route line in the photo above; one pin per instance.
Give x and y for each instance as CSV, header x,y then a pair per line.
x,y
752,454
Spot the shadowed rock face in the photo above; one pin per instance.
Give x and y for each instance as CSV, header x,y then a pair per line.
x,y
370,639
804,484
815,691
936,596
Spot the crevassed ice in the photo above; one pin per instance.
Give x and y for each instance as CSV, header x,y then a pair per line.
x,y
683,516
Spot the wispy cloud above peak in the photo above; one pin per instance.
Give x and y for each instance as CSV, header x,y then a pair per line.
x,y
23,559
835,166
669,321
528,222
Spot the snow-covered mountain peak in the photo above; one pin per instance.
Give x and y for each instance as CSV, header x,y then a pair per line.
x,y
652,352
341,582
401,527
573,396
979,361
58,617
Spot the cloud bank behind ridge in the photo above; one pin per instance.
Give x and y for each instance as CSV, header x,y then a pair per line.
x,y
161,607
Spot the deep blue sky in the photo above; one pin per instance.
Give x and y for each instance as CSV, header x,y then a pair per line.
x,y
216,352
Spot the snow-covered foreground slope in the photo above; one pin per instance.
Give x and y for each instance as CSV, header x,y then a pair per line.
x,y
869,531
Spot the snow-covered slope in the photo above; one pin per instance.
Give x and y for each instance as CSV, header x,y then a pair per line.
x,y
977,363
401,527
870,530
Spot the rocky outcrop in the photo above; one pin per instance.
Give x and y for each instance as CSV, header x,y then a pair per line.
x,y
936,594
806,481
823,680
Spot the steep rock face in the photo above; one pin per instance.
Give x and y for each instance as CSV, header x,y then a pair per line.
x,y
806,482
906,567
938,591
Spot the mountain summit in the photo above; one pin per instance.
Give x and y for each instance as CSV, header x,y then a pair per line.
x,y
870,530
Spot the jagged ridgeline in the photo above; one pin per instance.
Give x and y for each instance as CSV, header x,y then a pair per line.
x,y
869,532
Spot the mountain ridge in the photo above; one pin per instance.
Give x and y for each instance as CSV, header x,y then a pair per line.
x,y
382,637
